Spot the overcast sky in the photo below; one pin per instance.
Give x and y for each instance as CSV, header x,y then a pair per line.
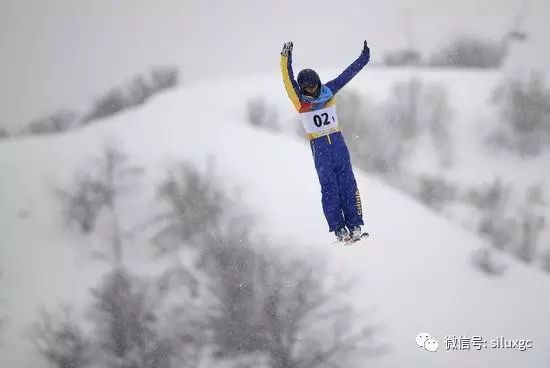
x,y
63,53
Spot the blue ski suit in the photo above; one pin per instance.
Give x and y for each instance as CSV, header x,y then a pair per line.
x,y
340,197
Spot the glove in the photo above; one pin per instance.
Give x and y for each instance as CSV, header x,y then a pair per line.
x,y
287,49
366,50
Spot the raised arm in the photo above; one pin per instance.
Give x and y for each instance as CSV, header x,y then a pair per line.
x,y
290,83
336,84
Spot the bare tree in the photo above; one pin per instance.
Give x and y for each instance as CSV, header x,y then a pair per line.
x,y
403,108
129,325
531,224
60,340
484,260
231,267
493,202
403,57
523,107
261,115
101,189
137,323
380,139
416,108
117,178
435,191
438,117
372,142
57,122
82,203
306,321
286,309
132,93
193,205
470,52
139,91
164,77
518,230
107,105
4,133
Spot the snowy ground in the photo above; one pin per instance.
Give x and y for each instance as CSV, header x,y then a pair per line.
x,y
414,275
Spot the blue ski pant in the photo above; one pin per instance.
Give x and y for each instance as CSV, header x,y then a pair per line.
x,y
340,197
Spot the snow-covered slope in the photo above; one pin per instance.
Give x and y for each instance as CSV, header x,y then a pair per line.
x,y
413,275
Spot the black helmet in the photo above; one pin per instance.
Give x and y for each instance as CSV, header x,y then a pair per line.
x,y
308,77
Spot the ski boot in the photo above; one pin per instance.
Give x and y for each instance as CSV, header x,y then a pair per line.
x,y
356,235
355,232
342,234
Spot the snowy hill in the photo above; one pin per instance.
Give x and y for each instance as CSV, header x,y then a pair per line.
x,y
414,274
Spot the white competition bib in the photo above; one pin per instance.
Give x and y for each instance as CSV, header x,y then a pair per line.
x,y
320,121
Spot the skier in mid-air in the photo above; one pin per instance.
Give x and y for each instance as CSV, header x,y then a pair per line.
x,y
315,103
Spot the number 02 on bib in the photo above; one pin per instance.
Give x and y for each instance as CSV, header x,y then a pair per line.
x,y
320,122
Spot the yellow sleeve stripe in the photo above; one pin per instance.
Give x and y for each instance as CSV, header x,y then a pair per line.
x,y
288,83
330,102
